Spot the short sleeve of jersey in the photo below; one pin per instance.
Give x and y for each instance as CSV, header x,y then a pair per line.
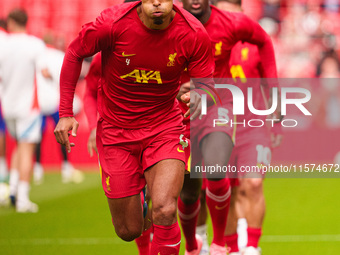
x,y
201,64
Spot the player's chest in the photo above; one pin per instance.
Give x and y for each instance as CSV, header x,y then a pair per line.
x,y
147,59
244,62
220,42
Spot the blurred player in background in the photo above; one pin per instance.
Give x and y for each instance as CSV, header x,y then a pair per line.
x,y
252,147
3,162
19,58
140,133
225,30
329,94
48,76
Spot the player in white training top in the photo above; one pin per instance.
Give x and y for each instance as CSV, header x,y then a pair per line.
x,y
20,107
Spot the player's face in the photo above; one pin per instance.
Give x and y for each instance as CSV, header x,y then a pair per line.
x,y
157,10
196,7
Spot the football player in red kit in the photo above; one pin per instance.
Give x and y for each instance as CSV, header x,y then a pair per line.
x,y
253,147
216,143
140,133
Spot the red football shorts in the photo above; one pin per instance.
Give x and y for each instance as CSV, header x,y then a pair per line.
x,y
124,154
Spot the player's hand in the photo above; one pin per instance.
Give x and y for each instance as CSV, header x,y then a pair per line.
x,y
193,101
185,98
61,131
91,142
277,116
276,135
276,139
185,88
46,74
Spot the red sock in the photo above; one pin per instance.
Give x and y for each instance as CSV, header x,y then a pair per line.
x,y
231,242
218,200
143,242
188,215
166,240
254,235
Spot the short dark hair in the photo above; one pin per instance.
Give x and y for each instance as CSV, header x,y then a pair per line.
x,y
330,54
19,16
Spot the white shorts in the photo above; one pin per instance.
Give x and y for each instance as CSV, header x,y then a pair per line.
x,y
26,129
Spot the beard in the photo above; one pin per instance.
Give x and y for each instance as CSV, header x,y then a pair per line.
x,y
158,21
198,15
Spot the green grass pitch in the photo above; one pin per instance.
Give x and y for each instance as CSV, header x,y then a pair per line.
x,y
302,218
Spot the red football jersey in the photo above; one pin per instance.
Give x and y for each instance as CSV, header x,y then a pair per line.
x,y
246,67
247,56
141,67
227,29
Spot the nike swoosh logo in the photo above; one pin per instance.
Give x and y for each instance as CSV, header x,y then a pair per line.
x,y
222,207
127,55
179,150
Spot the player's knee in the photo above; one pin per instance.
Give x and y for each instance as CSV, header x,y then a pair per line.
x,y
254,186
164,213
128,234
216,148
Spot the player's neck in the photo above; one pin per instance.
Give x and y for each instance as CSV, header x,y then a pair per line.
x,y
17,30
206,16
150,23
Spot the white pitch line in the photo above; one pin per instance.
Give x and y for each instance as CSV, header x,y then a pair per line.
x,y
115,241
